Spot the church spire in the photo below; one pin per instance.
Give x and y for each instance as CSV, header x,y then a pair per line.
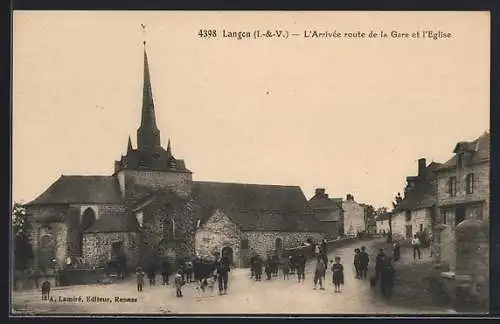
x,y
148,134
129,145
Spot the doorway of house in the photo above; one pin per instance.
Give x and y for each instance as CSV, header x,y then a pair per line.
x,y
409,232
459,215
227,252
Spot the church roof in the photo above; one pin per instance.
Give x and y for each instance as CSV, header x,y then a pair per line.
x,y
81,190
256,207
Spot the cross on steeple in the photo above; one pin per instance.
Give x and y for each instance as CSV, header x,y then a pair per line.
x,y
148,134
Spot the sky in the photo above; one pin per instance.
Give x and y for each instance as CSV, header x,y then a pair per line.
x,y
348,115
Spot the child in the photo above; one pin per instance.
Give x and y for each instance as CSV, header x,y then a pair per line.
x,y
338,274
357,263
140,279
179,282
291,264
286,270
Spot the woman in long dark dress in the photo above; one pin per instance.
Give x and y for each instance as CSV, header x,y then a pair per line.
x,y
338,275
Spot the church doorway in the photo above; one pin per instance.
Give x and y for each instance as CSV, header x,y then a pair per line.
x,y
278,246
227,252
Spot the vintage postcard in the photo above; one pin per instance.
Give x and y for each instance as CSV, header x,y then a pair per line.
x,y
184,162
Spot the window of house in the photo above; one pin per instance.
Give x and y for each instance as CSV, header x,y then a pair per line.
x,y
421,227
470,183
443,216
452,186
408,215
244,244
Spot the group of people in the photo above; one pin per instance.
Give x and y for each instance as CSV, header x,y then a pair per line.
x,y
197,270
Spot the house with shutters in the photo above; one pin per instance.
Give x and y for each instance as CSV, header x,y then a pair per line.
x,y
417,211
150,208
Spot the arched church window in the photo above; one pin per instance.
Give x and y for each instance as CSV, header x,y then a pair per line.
x,y
88,218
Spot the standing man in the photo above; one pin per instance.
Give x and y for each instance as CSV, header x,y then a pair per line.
x,y
415,243
379,262
387,277
301,268
223,268
319,273
364,259
257,267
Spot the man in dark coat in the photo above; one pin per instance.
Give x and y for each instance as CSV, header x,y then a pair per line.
x,y
223,267
379,263
364,259
387,277
257,267
301,268
165,272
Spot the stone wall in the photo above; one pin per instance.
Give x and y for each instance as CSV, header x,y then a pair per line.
x,y
472,265
97,248
447,248
218,232
354,217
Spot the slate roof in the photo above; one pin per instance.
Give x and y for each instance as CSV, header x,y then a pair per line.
x,y
327,203
114,221
256,207
80,189
479,148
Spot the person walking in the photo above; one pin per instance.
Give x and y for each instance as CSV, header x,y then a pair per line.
x,y
415,243
338,275
357,263
301,268
364,260
319,273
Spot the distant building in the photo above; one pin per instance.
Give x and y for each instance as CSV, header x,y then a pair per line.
x,y
354,216
328,211
417,211
382,222
463,192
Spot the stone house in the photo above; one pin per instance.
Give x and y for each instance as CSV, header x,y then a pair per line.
x,y
239,218
417,211
328,211
462,234
151,208
463,192
354,216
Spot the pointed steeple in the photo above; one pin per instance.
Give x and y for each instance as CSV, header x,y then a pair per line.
x,y
129,145
148,134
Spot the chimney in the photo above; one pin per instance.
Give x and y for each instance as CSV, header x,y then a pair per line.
x,y
349,197
421,166
320,192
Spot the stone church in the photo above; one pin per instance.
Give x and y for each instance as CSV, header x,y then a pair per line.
x,y
151,208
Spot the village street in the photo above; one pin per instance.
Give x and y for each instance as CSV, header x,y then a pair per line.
x,y
277,296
